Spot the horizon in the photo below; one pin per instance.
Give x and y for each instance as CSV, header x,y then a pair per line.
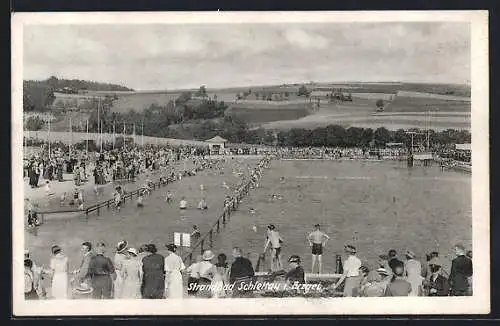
x,y
167,56
260,85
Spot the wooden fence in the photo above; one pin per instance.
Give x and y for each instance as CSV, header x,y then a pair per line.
x,y
217,227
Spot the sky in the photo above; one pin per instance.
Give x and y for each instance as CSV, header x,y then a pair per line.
x,y
173,56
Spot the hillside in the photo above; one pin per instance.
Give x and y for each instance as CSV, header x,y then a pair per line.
x,y
38,95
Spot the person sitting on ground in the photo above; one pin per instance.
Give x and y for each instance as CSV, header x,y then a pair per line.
x,y
399,286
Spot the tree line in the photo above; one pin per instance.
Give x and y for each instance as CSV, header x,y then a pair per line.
x,y
38,95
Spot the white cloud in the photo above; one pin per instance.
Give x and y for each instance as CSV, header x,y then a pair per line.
x,y
170,56
306,40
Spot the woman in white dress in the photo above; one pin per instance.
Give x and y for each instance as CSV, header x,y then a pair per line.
x,y
119,261
59,270
413,270
132,276
173,277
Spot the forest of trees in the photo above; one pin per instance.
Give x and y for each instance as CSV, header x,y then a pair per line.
x,y
338,136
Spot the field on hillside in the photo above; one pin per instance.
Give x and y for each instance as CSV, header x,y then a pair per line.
x,y
368,204
141,101
419,104
262,113
391,122
444,89
402,113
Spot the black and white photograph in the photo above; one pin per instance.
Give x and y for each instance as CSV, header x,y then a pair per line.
x,y
271,163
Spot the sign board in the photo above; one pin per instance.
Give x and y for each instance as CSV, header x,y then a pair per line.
x,y
463,147
182,239
422,156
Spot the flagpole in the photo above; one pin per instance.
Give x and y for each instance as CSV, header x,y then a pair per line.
x,y
124,135
134,134
101,136
71,139
114,134
87,141
48,137
98,118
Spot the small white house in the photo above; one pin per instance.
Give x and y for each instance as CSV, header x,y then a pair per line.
x,y
216,144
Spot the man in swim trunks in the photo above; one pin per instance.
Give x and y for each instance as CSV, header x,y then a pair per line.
x,y
274,239
317,240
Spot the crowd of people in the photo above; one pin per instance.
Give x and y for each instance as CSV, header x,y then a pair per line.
x,y
132,273
338,153
144,273
391,277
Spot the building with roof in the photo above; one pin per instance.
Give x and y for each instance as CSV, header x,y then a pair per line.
x,y
216,144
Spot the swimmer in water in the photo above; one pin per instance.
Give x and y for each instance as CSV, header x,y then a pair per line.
x,y
169,197
63,199
140,198
202,204
183,204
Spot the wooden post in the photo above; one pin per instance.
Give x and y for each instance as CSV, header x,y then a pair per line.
x,y
108,202
98,211
218,225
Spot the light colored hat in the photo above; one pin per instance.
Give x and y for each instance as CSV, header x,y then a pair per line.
x,y
208,255
133,251
350,248
410,254
382,271
121,246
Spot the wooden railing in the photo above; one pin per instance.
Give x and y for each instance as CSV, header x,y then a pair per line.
x,y
217,227
108,203
219,224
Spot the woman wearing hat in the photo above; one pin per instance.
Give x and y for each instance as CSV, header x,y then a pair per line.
x,y
438,285
173,277
59,269
374,287
351,272
120,258
206,270
131,276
